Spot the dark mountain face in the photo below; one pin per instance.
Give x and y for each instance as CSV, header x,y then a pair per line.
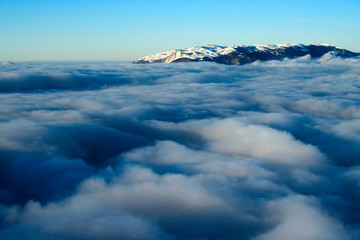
x,y
243,55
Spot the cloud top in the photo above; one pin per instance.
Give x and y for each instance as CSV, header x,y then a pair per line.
x,y
262,151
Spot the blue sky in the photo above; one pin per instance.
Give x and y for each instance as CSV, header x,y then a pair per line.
x,y
70,30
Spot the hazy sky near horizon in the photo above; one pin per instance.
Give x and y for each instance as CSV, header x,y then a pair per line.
x,y
64,30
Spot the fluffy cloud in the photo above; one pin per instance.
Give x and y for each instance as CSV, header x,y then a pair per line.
x,y
301,218
135,204
229,136
181,151
168,153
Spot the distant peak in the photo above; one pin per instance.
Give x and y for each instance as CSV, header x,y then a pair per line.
x,y
7,63
242,54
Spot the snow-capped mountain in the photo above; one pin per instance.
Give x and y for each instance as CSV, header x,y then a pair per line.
x,y
240,54
7,63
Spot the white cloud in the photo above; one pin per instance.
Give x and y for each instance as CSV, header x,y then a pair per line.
x,y
171,153
164,153
300,218
230,136
190,151
83,217
349,130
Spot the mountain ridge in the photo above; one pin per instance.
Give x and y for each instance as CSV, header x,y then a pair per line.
x,y
242,54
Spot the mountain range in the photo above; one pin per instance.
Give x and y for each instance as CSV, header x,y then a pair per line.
x,y
241,54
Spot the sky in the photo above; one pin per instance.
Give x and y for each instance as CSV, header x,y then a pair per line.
x,y
109,30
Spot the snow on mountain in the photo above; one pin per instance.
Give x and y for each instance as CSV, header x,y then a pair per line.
x,y
241,54
7,63
198,52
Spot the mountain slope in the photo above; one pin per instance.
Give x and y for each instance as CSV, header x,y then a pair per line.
x,y
239,55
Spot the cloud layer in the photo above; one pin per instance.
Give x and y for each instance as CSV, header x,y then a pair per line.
x,y
263,151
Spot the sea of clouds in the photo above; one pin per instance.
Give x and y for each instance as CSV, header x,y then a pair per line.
x,y
265,151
